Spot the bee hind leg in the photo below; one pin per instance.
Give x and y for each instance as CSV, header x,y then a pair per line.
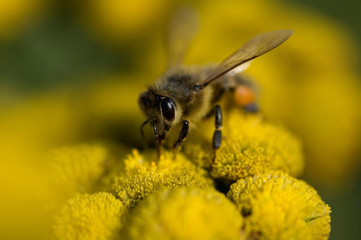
x,y
217,135
252,107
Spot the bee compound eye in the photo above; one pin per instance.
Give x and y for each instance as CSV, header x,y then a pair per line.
x,y
168,109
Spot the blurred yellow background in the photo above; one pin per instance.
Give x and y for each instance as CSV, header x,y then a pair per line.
x,y
71,72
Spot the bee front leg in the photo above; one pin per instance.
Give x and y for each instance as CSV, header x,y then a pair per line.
x,y
217,136
182,135
142,133
159,139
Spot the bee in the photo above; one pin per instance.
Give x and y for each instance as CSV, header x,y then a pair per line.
x,y
184,95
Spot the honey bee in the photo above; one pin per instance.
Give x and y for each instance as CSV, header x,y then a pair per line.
x,y
184,95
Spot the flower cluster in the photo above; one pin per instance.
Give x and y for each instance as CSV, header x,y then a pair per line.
x,y
177,197
75,169
141,177
278,206
185,213
251,146
89,216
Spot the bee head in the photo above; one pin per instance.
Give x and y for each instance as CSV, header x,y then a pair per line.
x,y
159,110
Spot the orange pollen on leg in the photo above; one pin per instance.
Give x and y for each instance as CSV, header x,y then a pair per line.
x,y
243,95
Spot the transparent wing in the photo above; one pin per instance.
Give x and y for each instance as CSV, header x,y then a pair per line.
x,y
181,30
255,47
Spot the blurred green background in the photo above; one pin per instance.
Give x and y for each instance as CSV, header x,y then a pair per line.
x,y
47,47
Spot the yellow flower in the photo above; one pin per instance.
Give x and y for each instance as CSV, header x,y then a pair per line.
x,y
185,213
76,169
277,206
144,175
89,216
250,146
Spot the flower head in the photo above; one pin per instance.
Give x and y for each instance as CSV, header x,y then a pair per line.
x,y
143,176
185,213
250,146
89,216
77,168
277,206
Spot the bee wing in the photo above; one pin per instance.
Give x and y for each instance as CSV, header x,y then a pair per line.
x,y
255,47
181,30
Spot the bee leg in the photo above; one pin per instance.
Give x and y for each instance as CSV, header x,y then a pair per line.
x,y
182,135
142,133
217,136
159,139
251,107
159,146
